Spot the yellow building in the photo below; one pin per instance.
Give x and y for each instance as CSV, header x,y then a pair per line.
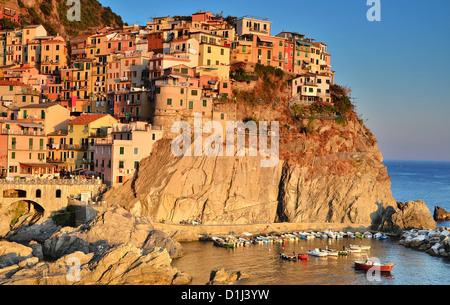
x,y
81,134
214,60
53,55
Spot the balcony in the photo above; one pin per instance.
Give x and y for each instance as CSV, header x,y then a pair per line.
x,y
253,30
23,132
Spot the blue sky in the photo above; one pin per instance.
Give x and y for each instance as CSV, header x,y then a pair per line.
x,y
398,68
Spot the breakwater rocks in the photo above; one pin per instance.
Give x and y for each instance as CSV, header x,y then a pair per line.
x,y
434,242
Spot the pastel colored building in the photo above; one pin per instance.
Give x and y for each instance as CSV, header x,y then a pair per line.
x,y
117,157
252,25
82,132
53,55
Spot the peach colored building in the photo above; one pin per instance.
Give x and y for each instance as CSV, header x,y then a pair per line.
x,y
24,149
53,55
117,157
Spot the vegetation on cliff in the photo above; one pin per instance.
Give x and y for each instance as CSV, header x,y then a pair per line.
x,y
52,14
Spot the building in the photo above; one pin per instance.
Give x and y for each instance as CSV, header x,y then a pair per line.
x,y
82,132
252,25
117,157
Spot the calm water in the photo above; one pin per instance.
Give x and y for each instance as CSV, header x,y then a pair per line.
x,y
429,181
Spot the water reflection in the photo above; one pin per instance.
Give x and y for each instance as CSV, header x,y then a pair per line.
x,y
263,264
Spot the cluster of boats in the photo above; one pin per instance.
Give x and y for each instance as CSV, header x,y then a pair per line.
x,y
231,241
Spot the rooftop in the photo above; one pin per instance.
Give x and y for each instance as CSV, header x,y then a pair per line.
x,y
86,119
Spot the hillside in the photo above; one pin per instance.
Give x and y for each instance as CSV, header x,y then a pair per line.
x,y
52,14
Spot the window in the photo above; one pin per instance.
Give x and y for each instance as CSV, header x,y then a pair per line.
x,y
121,164
58,193
194,92
205,103
191,105
209,49
13,155
41,144
38,193
136,150
122,150
222,52
136,164
30,143
153,136
184,70
169,102
222,116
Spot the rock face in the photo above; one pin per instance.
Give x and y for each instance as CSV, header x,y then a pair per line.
x,y
440,214
237,190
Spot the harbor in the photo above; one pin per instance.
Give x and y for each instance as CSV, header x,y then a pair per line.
x,y
262,259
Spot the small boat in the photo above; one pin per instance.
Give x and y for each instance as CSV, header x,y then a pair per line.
x,y
219,242
371,265
353,251
332,253
360,247
359,235
343,253
383,237
302,256
288,257
367,235
317,252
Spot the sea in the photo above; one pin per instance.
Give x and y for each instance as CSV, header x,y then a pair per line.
x,y
411,180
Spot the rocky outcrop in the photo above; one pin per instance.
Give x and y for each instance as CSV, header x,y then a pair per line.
x,y
440,214
121,265
115,248
412,214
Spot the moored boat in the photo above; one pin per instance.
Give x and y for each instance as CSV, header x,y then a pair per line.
x,y
219,242
317,252
371,265
360,247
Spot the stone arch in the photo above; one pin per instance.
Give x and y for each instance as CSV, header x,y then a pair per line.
x,y
25,212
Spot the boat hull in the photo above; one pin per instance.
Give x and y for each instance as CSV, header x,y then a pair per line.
x,y
382,268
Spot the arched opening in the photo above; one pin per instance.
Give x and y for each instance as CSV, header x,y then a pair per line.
x,y
24,212
14,194
38,193
58,193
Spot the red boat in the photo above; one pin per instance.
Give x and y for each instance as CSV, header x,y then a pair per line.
x,y
302,256
368,264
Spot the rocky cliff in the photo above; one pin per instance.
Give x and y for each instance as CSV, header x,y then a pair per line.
x,y
330,170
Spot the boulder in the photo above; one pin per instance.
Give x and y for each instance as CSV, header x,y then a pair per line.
x,y
225,277
12,253
440,214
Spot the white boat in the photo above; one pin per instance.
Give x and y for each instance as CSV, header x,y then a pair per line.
x,y
367,235
351,234
332,253
317,252
360,247
353,250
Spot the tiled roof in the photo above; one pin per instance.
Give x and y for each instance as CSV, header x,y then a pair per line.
x,y
85,119
12,83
